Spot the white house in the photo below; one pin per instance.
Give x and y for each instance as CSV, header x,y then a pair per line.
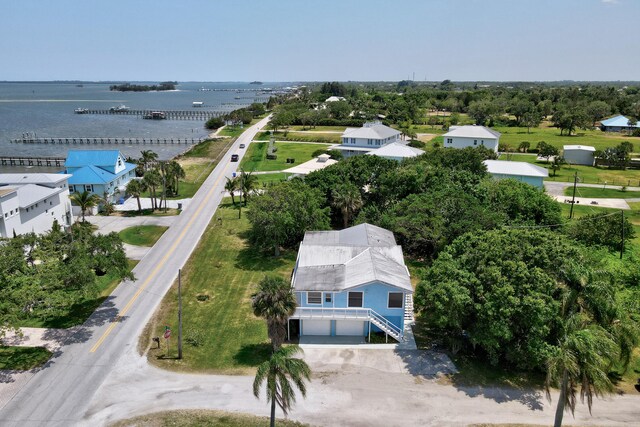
x,y
471,136
31,202
521,171
371,136
579,154
396,151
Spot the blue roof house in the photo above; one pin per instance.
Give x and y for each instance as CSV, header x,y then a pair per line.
x,y
350,283
617,124
102,172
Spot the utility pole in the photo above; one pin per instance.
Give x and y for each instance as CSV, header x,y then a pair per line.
x,y
179,313
573,199
622,229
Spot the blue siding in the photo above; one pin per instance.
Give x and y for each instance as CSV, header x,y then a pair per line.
x,y
375,297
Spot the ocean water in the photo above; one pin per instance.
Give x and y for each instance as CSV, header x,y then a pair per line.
x,y
47,110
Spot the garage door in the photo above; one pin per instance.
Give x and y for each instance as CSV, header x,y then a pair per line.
x,y
352,328
316,327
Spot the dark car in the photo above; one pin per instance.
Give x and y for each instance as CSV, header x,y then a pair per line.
x,y
234,157
242,145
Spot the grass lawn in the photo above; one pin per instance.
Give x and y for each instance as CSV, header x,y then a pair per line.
x,y
256,157
586,174
221,334
142,235
607,193
80,310
595,138
204,418
23,358
318,128
148,212
323,138
198,164
270,178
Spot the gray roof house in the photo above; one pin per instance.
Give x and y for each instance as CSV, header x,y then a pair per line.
x,y
350,283
471,136
371,136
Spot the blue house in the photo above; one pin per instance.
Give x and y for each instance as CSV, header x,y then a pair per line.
x,y
520,171
618,124
103,172
351,282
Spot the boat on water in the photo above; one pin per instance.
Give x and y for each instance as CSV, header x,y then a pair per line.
x,y
204,89
198,103
119,109
155,115
81,110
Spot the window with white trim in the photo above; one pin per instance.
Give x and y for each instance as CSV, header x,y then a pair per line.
x,y
355,299
328,297
395,300
314,297
87,188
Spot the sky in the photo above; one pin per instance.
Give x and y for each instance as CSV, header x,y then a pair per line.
x,y
303,40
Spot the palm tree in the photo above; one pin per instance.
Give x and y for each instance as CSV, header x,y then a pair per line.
x,y
152,179
247,184
275,302
177,173
348,200
107,205
595,334
136,187
280,371
85,200
582,359
231,186
146,160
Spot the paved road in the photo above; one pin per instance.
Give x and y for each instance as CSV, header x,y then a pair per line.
x,y
60,394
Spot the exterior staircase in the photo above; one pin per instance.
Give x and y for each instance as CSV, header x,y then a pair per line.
x,y
408,308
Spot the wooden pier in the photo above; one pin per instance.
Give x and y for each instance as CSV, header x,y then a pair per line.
x,y
197,114
31,161
106,141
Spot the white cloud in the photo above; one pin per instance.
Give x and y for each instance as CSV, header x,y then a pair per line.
x,y
610,1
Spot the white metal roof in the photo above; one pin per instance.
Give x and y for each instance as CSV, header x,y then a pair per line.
x,y
312,165
472,132
504,167
33,178
578,147
396,149
371,131
338,260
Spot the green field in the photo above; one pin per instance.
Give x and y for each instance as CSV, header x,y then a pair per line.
x,y
23,358
513,136
256,157
318,128
142,235
80,310
607,193
323,138
202,418
270,178
220,331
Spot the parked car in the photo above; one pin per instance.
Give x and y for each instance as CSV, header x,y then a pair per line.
x,y
234,157
242,145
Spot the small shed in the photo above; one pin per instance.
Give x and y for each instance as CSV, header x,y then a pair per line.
x,y
521,171
579,154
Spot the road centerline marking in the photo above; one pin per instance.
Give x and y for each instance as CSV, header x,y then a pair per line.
x,y
155,271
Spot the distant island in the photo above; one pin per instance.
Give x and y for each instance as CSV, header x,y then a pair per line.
x,y
127,87
255,83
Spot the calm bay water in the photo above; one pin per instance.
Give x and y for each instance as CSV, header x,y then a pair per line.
x,y
47,110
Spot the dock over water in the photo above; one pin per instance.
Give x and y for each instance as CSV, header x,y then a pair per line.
x,y
196,114
106,141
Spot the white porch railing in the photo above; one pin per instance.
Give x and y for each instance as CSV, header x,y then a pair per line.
x,y
366,314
